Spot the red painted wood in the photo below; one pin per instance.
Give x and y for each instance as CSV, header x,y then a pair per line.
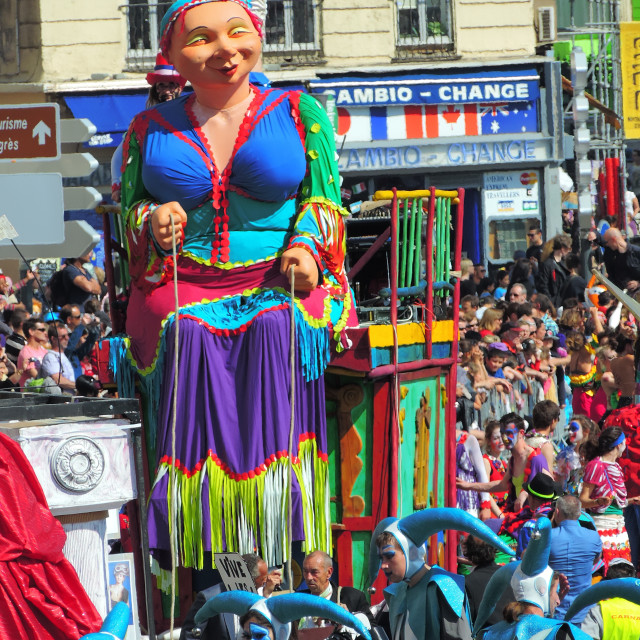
x,y
364,523
452,541
344,552
395,391
358,357
110,278
404,367
428,316
381,477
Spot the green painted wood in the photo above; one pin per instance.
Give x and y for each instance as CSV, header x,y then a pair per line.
x,y
361,541
333,451
363,422
418,234
403,248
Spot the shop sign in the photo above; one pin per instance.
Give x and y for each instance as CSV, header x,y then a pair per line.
x,y
457,154
511,193
496,86
629,53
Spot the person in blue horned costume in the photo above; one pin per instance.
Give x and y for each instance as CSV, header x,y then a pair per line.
x,y
115,625
270,619
538,591
425,603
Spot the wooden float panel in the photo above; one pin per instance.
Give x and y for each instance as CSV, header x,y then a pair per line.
x,y
359,423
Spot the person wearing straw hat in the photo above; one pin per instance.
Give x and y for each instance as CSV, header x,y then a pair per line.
x,y
424,602
245,215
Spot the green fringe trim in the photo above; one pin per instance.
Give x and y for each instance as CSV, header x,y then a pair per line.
x,y
254,510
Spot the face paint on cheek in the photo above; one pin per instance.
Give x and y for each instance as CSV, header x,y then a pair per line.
x,y
387,553
258,632
509,438
575,432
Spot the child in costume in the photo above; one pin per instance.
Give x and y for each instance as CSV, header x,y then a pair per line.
x,y
245,214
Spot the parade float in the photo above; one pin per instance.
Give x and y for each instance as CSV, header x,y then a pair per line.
x,y
390,418
390,395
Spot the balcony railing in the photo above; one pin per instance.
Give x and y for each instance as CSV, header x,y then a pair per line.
x,y
290,36
143,32
424,29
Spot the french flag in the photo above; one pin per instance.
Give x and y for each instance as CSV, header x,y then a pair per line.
x,y
408,122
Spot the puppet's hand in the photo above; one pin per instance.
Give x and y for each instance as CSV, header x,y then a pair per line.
x,y
161,224
306,269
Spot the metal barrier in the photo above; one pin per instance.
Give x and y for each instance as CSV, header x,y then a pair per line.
x,y
499,403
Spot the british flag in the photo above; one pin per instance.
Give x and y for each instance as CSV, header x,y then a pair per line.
x,y
410,122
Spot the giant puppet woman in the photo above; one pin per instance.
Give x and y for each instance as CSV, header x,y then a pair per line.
x,y
250,178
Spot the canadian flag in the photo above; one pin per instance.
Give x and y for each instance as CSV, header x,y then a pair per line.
x,y
409,122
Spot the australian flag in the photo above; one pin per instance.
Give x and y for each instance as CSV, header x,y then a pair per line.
x,y
508,117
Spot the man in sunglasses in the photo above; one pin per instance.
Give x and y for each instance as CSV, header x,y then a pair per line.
x,y
76,349
534,250
55,363
32,354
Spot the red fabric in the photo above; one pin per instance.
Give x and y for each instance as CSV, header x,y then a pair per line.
x,y
40,593
628,419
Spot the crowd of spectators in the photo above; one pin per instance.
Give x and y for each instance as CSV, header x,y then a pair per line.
x,y
544,361
49,338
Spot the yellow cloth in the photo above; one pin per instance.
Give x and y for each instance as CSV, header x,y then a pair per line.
x,y
620,619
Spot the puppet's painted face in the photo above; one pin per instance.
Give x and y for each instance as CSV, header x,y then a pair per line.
x,y
214,45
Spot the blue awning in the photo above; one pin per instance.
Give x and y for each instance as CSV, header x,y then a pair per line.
x,y
111,113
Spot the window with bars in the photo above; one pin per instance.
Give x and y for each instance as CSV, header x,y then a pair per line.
x,y
290,34
143,31
423,27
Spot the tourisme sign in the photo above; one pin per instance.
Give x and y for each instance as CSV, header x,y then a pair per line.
x,y
29,132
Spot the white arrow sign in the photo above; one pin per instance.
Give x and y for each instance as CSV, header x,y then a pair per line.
x,y
33,205
77,130
42,131
79,238
81,198
69,165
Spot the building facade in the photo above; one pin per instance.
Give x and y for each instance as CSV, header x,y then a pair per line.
x,y
456,93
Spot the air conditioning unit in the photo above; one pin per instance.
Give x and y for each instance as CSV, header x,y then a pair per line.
x,y
546,23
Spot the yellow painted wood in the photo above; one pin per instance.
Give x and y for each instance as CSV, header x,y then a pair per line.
x,y
411,333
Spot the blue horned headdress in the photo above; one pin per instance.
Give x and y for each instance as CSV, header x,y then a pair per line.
x,y
115,624
529,579
279,611
625,588
413,531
